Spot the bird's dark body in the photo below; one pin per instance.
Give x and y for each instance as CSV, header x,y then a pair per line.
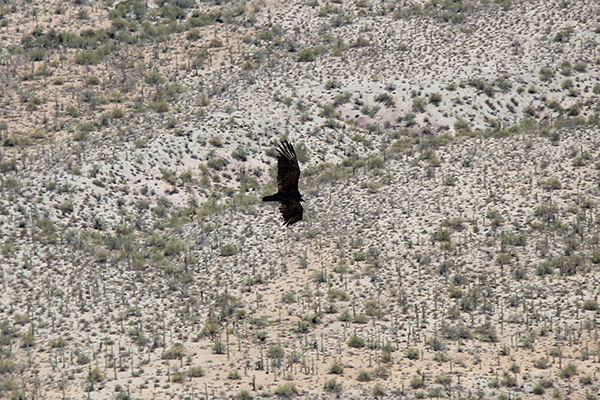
x,y
288,195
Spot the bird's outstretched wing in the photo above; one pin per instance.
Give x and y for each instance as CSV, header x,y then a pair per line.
x,y
288,170
291,211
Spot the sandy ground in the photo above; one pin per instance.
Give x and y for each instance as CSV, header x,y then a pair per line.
x,y
127,239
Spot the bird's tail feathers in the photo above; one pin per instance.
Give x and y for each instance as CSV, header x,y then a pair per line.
x,y
274,197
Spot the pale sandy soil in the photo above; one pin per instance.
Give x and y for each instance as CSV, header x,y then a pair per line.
x,y
99,249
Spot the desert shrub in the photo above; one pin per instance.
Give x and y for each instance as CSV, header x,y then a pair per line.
x,y
239,154
568,371
386,99
92,80
27,340
486,333
275,353
580,66
546,74
174,247
306,55
178,377
175,352
508,380
234,375
538,389
566,84
540,363
364,376
196,371
412,353
215,42
217,163
462,126
333,386
443,379
455,292
372,308
565,68
243,395
58,343
7,366
219,347
160,106
361,41
435,98
552,184
590,305
418,105
88,58
193,34
336,368
356,341
381,372
36,54
288,389
417,381
228,250
288,298
563,36
379,390
95,375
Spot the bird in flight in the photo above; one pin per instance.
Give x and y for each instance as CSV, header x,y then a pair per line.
x,y
288,196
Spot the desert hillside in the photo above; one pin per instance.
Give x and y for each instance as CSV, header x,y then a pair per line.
x,y
450,156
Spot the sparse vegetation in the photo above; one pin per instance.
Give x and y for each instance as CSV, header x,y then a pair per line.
x,y
450,232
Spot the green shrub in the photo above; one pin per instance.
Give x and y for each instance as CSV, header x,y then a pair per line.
x,y
552,184
417,381
363,376
217,163
443,379
288,389
356,341
27,340
379,390
435,98
175,352
590,305
306,55
546,74
336,368
178,377
95,375
92,80
58,343
7,366
508,380
234,375
568,371
243,395
228,250
161,106
381,372
540,363
418,105
333,386
196,371
288,298
412,353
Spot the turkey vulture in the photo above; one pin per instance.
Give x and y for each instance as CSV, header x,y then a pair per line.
x,y
287,195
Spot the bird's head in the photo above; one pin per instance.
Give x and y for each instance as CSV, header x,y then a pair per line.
x,y
302,198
